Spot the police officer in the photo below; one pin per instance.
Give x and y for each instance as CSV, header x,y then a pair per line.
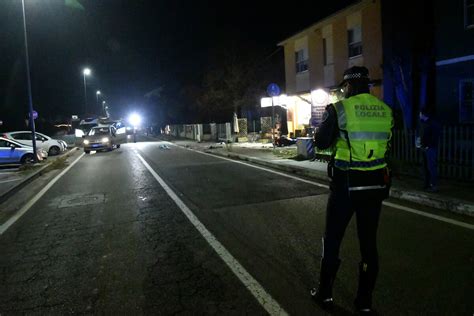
x,y
358,129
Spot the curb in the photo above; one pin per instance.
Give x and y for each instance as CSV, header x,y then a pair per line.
x,y
6,195
452,205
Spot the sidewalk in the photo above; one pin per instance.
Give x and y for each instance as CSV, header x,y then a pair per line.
x,y
453,196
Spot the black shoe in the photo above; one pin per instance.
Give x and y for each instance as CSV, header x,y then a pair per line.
x,y
322,295
325,301
367,277
364,306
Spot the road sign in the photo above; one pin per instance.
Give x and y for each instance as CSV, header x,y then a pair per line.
x,y
273,90
35,115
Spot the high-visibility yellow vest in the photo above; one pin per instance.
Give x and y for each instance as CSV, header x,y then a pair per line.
x,y
365,125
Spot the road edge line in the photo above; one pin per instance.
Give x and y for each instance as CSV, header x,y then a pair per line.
x,y
259,167
433,216
389,204
5,226
258,292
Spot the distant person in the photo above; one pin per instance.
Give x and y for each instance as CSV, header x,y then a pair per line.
x,y
428,142
358,129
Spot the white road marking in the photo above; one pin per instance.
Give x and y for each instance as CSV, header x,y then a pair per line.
x,y
389,204
265,300
263,168
437,217
11,180
27,206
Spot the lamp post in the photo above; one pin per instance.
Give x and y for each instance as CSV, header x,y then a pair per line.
x,y
30,98
97,98
85,72
104,109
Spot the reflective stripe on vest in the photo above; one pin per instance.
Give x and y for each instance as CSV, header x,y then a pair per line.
x,y
341,164
341,115
366,135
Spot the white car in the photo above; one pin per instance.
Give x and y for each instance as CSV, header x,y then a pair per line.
x,y
52,146
12,152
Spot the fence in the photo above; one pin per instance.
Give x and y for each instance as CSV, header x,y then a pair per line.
x,y
455,152
202,132
242,127
224,132
266,124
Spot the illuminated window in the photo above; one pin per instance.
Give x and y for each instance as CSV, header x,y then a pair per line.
x,y
466,101
301,60
354,41
469,13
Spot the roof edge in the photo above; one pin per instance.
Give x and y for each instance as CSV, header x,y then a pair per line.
x,y
321,22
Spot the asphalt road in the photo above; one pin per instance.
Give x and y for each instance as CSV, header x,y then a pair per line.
x,y
107,238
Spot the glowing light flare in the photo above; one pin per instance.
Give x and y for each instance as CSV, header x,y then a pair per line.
x,y
79,133
135,119
319,96
304,113
265,102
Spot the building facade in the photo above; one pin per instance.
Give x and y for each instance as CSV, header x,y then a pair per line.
x,y
454,38
316,57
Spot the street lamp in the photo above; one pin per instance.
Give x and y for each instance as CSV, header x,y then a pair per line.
x,y
85,72
30,98
135,120
97,98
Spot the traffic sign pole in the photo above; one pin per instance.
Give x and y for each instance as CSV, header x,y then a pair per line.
x,y
273,124
273,90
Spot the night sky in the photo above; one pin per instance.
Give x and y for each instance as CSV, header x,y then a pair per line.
x,y
132,46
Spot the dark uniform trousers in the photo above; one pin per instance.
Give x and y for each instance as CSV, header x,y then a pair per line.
x,y
342,204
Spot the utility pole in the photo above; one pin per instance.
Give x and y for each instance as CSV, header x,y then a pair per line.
x,y
30,98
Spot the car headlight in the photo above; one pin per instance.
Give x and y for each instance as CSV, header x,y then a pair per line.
x,y
86,142
105,139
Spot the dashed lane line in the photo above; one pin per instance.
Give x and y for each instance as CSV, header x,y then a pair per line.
x,y
27,206
260,294
389,204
